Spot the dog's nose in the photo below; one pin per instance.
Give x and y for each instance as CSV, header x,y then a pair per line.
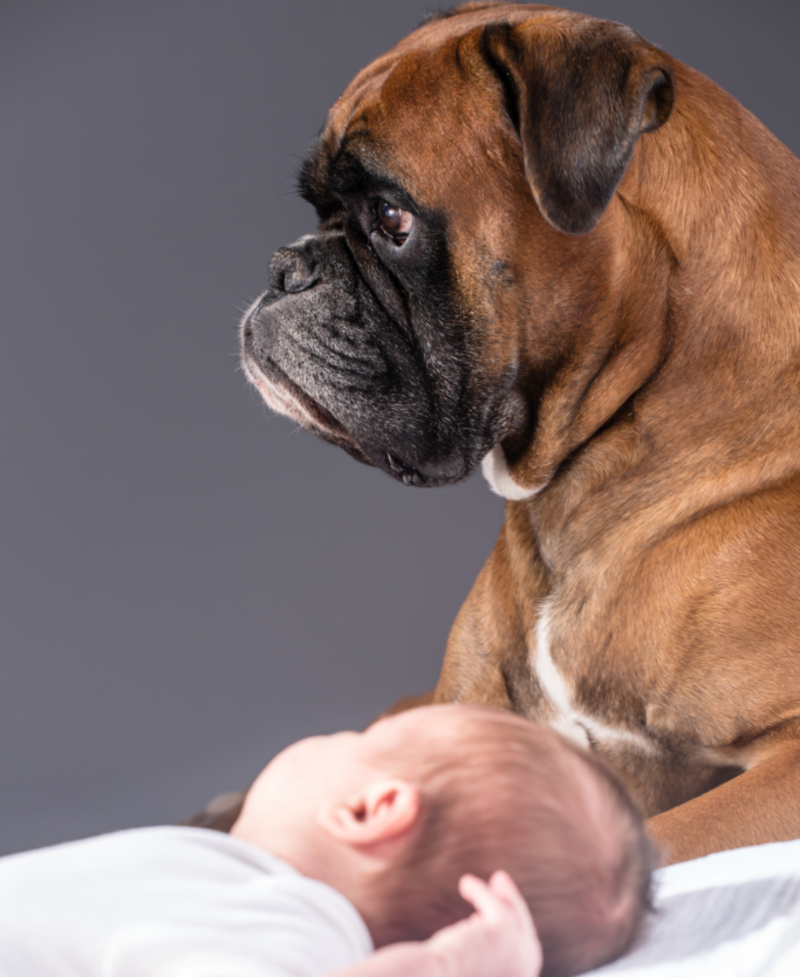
x,y
292,270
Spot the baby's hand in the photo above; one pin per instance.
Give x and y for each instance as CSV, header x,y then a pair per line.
x,y
497,940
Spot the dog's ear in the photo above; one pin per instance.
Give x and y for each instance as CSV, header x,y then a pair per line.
x,y
579,102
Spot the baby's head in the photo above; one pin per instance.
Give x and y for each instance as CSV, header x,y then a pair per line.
x,y
394,816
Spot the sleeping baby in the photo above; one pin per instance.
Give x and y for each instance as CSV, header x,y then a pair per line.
x,y
357,853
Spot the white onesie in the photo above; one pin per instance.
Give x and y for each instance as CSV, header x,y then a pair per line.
x,y
170,902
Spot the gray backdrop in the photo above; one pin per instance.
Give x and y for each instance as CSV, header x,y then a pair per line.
x,y
188,583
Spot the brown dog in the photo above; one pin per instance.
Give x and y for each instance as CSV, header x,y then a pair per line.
x,y
547,246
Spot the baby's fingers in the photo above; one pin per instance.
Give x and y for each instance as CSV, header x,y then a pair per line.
x,y
477,892
503,923
494,900
485,896
505,888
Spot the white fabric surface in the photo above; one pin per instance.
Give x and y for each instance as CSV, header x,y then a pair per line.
x,y
733,914
170,902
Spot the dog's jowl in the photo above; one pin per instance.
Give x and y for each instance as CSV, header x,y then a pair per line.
x,y
548,249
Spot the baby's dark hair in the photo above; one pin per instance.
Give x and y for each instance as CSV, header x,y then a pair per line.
x,y
507,793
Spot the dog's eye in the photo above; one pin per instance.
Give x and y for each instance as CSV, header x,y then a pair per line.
x,y
394,222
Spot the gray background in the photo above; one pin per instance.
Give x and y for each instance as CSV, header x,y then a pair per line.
x,y
187,583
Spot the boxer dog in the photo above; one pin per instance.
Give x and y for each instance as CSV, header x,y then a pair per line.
x,y
549,249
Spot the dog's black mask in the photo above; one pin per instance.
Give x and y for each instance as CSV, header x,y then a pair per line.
x,y
361,341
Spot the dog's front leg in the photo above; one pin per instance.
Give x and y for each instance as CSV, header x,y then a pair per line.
x,y
487,658
758,806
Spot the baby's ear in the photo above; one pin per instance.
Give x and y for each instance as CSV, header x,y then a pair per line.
x,y
383,811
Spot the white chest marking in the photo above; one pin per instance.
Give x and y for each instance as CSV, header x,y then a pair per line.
x,y
575,725
495,471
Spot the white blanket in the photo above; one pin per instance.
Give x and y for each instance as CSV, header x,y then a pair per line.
x,y
733,914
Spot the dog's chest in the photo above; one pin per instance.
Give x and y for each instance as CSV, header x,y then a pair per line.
x,y
564,714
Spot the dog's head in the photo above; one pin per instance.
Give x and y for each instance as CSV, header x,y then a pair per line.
x,y
459,182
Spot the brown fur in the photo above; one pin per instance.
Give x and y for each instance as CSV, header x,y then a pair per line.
x,y
667,428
